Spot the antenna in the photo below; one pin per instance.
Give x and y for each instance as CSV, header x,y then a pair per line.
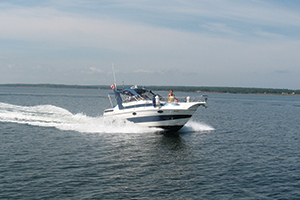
x,y
113,69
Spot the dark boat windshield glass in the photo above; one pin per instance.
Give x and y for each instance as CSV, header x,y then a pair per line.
x,y
144,93
137,94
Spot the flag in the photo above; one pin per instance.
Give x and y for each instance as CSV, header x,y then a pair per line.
x,y
113,86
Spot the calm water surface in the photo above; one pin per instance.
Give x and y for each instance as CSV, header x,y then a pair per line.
x,y
56,145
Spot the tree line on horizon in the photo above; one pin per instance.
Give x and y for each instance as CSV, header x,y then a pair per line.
x,y
202,89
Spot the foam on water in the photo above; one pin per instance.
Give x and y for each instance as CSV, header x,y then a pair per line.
x,y
193,126
52,116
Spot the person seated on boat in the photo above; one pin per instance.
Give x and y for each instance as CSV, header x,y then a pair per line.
x,y
171,97
131,97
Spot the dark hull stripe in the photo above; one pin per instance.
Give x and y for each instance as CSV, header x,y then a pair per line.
x,y
169,128
157,118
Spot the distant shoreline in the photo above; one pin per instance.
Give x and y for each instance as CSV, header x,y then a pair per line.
x,y
199,89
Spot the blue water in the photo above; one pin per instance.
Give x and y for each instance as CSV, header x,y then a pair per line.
x,y
56,145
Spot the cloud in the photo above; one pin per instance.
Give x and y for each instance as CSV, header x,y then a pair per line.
x,y
95,70
253,12
60,29
219,28
143,71
281,71
3,58
66,27
209,41
11,66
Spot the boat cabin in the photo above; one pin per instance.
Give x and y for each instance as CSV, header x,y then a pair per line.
x,y
136,94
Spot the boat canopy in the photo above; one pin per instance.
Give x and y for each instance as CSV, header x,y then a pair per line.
x,y
134,94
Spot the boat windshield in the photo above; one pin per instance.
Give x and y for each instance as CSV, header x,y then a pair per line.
x,y
136,94
144,93
148,94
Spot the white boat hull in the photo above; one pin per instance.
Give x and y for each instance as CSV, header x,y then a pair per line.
x,y
170,116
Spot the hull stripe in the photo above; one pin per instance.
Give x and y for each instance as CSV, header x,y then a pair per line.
x,y
170,128
157,118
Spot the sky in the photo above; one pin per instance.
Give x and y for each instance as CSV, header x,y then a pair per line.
x,y
230,43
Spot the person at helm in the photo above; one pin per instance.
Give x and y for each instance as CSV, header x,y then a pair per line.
x,y
171,97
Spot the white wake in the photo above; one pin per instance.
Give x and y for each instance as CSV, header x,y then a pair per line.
x,y
62,119
193,126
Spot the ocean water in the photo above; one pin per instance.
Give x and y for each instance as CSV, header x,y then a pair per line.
x,y
55,144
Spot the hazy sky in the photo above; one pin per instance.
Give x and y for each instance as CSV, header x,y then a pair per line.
x,y
251,43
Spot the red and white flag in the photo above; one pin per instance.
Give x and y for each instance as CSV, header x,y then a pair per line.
x,y
113,86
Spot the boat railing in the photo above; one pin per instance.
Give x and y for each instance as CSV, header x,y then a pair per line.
x,y
201,98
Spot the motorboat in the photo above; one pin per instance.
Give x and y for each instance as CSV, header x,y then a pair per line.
x,y
144,107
